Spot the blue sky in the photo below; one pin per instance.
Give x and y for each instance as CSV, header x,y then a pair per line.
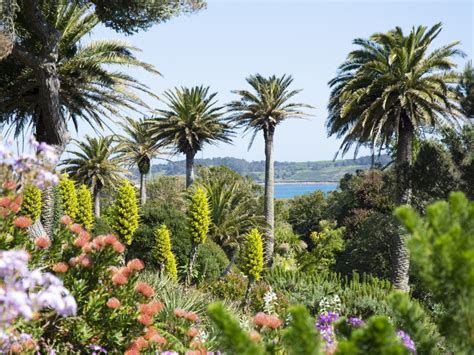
x,y
223,44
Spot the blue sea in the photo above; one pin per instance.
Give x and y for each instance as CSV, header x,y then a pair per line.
x,y
291,190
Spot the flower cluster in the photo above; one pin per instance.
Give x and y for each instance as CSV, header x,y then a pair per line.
x,y
407,341
36,168
269,301
16,343
23,293
325,325
266,320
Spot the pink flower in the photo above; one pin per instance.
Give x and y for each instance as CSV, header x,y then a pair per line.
x,y
145,289
145,319
22,222
4,201
260,319
113,303
135,265
192,316
273,322
119,279
85,260
75,228
110,239
192,332
9,185
151,308
42,242
118,247
181,313
60,267
66,220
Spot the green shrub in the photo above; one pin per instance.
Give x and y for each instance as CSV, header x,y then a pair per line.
x,y
198,225
85,215
102,226
31,206
68,195
442,252
306,212
125,214
162,252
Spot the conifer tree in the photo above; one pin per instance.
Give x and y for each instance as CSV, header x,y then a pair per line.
x,y
163,253
31,206
252,260
68,195
85,209
198,225
125,216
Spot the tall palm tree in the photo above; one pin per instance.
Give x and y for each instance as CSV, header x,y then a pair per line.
x,y
386,91
262,110
96,164
91,88
191,120
138,148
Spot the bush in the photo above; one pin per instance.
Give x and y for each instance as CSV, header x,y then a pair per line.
x,y
125,213
306,212
442,251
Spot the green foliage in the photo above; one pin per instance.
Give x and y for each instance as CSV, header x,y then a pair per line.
x,y
361,296
368,248
125,215
432,182
198,217
377,337
211,259
252,255
326,244
102,227
85,216
163,253
31,205
306,212
234,339
301,337
132,16
409,315
68,194
442,250
167,190
465,90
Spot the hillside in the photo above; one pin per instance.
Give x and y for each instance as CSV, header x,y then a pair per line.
x,y
317,171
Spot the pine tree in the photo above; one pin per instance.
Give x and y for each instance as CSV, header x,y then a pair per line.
x,y
31,206
68,195
163,253
198,225
252,260
85,210
125,217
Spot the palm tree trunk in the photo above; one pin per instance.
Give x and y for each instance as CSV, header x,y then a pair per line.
x,y
142,189
192,260
229,265
401,258
189,169
96,202
269,196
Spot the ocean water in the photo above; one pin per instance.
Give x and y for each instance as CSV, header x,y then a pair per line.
x,y
295,189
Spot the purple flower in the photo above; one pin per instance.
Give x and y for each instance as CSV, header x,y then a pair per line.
x,y
326,328
407,341
97,349
355,321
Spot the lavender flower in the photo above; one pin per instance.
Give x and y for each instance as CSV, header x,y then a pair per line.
x,y
24,292
326,328
407,341
355,322
97,349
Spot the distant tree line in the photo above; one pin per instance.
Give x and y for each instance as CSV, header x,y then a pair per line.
x,y
283,170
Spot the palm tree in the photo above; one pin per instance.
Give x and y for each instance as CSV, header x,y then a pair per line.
x,y
191,120
91,88
465,90
96,164
262,110
137,147
387,90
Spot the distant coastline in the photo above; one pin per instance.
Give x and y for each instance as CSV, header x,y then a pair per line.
x,y
297,182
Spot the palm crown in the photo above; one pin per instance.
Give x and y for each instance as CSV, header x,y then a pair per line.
x,y
267,106
95,163
392,81
191,120
136,146
89,90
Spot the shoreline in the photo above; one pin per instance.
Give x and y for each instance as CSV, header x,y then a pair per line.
x,y
295,182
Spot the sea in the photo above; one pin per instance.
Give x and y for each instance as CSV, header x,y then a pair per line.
x,y
290,190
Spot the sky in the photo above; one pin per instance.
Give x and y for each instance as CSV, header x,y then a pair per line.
x,y
232,39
